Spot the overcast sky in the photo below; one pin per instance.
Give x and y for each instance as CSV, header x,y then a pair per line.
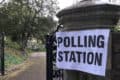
x,y
65,3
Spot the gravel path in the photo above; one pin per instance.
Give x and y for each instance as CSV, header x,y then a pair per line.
x,y
37,71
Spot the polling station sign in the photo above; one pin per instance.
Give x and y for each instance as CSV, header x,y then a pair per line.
x,y
84,50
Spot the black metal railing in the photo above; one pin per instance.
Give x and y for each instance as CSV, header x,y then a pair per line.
x,y
53,73
2,65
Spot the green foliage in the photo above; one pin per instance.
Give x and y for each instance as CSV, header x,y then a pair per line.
x,y
23,19
42,48
36,48
10,44
12,53
12,59
117,28
29,16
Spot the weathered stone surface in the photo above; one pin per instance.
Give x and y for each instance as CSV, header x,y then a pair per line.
x,y
89,15
115,75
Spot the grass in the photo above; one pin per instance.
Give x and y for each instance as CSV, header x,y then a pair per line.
x,y
13,54
13,57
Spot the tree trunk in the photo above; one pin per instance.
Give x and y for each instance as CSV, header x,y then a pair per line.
x,y
25,37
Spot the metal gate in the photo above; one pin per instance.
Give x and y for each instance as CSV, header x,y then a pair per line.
x,y
2,65
53,73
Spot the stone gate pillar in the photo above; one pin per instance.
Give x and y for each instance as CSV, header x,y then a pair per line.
x,y
89,15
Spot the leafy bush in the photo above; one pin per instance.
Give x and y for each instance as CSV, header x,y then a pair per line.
x,y
13,57
40,47
12,60
10,44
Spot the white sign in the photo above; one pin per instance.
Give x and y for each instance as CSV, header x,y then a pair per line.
x,y
83,50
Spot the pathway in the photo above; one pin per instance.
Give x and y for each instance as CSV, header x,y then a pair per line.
x,y
37,71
